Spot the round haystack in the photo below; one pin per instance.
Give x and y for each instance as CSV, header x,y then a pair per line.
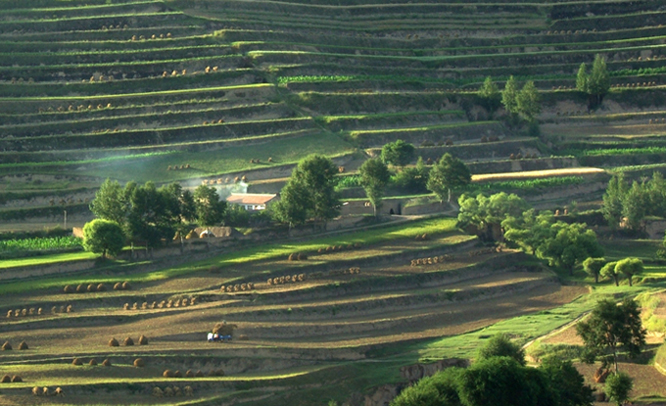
x,y
188,391
157,392
39,311
143,340
45,391
135,306
101,287
16,378
68,289
77,362
126,286
92,362
6,379
199,374
144,306
113,343
23,345
139,363
167,373
176,391
70,309
189,374
80,289
9,313
128,341
91,288
293,257
153,305
168,391
106,363
36,391
118,286
59,392
6,346
177,374
24,312
126,306
302,257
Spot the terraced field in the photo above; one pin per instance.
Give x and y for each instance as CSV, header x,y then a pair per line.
x,y
333,329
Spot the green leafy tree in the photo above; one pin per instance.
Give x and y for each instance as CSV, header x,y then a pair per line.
x,y
210,210
110,202
528,102
613,198
510,96
618,387
530,230
375,176
566,382
398,153
611,328
489,95
413,179
103,237
610,271
447,174
592,266
440,389
292,208
153,214
188,208
571,244
635,206
582,79
484,215
598,82
500,345
629,267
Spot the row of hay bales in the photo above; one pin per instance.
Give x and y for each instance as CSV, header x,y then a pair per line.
x,y
95,287
164,304
225,180
334,248
239,287
143,340
178,167
351,271
422,237
92,362
39,311
431,260
45,391
258,161
483,251
170,391
297,256
11,379
191,374
7,346
286,279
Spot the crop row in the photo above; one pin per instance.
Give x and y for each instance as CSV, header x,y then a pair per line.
x,y
31,246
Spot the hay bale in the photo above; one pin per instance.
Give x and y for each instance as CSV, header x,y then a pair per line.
x,y
80,289
268,281
167,373
9,313
176,303
24,312
69,309
126,286
302,257
177,391
106,363
153,305
169,304
16,379
139,363
45,391
126,306
157,392
189,374
31,312
68,289
54,309
6,379
161,304
184,302
293,257
58,392
23,345
91,288
177,374
144,305
92,362
188,391
143,340
243,337
199,374
6,346
39,311
168,392
301,277
77,362
101,287
128,341
36,391
135,306
118,286
193,301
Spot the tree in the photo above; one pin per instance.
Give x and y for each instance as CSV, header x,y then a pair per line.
x,y
611,327
292,208
635,206
566,382
413,179
448,173
598,82
530,230
610,271
103,236
490,95
582,79
613,198
209,208
510,96
592,267
486,214
440,389
109,202
528,102
153,213
500,345
629,267
398,153
571,244
374,178
618,386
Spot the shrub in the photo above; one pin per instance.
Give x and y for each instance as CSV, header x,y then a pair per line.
x,y
128,341
143,340
139,363
106,363
6,346
23,345
77,362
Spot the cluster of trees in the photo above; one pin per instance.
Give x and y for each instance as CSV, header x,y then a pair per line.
x,y
148,214
507,216
594,84
630,205
616,270
499,377
524,103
